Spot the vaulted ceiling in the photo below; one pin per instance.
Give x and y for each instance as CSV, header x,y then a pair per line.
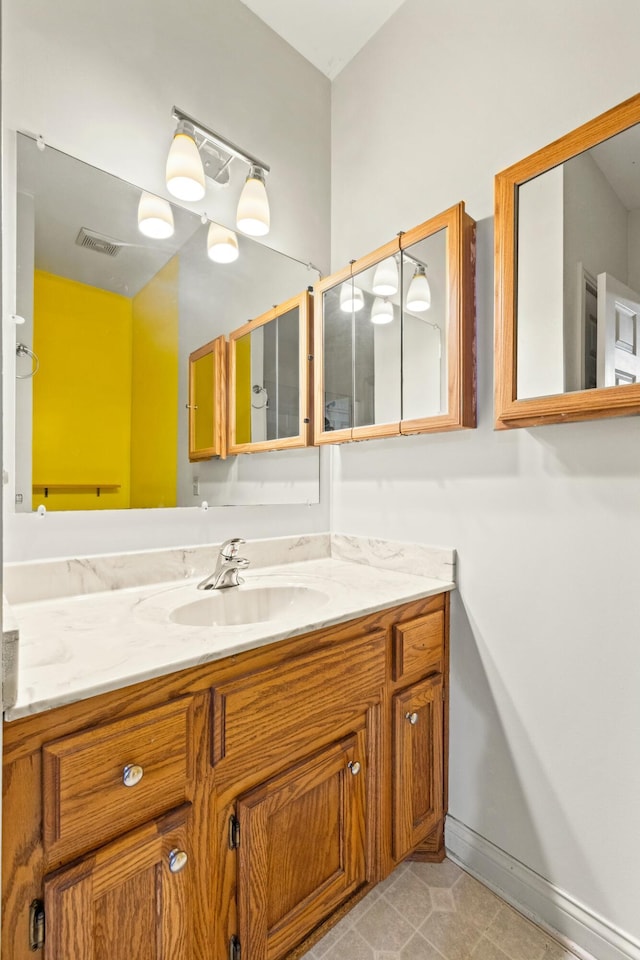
x,y
329,33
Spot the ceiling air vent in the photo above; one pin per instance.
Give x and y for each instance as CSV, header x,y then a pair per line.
x,y
98,242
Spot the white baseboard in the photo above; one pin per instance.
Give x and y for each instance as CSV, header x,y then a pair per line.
x,y
584,932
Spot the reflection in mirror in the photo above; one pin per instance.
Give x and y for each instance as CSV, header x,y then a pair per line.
x,y
377,345
425,321
267,381
268,359
578,272
113,316
207,401
339,316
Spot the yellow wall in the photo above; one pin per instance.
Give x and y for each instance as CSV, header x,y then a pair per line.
x,y
82,392
154,391
243,389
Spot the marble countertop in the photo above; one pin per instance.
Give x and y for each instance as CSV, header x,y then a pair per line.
x,y
74,647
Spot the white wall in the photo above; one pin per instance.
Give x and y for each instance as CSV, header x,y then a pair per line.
x,y
545,713
99,81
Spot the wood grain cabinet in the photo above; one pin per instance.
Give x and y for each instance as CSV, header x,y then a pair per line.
x,y
132,898
236,809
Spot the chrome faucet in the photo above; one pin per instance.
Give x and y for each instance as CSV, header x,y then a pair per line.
x,y
228,565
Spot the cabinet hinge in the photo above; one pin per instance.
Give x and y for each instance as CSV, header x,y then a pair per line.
x,y
36,925
234,948
234,832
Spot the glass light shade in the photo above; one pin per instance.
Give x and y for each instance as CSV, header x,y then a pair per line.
x,y
253,215
419,295
222,244
155,217
382,311
351,298
185,173
385,278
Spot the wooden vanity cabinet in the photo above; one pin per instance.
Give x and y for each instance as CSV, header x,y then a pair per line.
x,y
277,787
132,898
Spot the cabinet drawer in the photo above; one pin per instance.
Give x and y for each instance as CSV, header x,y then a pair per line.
x,y
418,646
266,718
103,781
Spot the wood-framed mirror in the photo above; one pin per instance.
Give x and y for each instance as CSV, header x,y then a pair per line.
x,y
269,396
567,284
394,336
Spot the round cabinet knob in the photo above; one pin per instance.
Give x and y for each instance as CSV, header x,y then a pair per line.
x,y
412,718
354,766
177,860
132,774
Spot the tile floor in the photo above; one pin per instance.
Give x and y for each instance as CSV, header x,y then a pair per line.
x,y
427,911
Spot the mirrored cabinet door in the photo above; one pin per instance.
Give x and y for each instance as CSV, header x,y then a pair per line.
x,y
269,379
395,336
568,276
207,401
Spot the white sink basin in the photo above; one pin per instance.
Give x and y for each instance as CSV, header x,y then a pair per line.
x,y
236,606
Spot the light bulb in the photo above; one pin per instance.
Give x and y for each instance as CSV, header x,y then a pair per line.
x,y
419,294
222,244
382,311
385,279
351,298
185,173
155,217
253,215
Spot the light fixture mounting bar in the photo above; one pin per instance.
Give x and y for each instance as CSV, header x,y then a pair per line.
x,y
411,259
219,141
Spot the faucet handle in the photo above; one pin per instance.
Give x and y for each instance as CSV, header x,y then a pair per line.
x,y
229,548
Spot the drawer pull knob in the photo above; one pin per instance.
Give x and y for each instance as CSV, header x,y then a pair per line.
x,y
132,774
354,766
177,860
412,718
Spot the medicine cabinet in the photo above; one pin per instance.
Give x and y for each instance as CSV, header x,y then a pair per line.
x,y
394,336
269,360
567,331
207,401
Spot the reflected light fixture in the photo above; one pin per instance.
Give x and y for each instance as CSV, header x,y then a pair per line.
x,y
385,278
419,294
222,244
198,152
155,217
351,298
382,311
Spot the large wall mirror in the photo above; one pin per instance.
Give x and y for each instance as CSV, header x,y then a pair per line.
x,y
394,336
568,276
113,317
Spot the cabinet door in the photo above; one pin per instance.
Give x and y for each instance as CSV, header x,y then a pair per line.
x,y
131,898
207,401
418,762
302,848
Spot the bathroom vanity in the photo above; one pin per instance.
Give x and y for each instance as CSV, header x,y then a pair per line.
x,y
241,798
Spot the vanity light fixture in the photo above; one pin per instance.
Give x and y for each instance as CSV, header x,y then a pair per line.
x,y
385,278
155,217
198,152
382,311
222,244
253,216
185,172
351,298
419,294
